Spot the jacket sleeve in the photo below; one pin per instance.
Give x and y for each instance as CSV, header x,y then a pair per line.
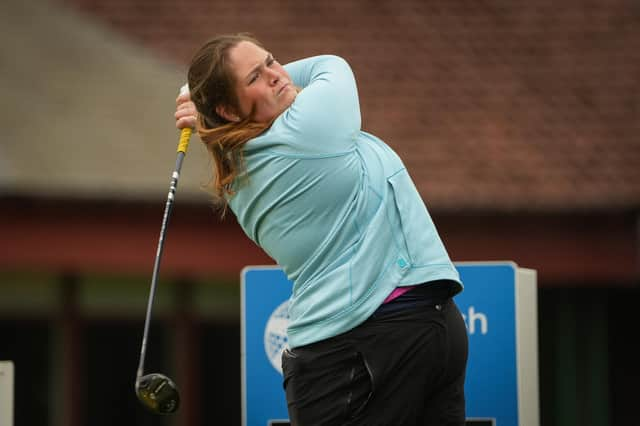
x,y
326,113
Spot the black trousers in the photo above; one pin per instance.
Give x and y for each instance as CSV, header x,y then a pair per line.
x,y
404,366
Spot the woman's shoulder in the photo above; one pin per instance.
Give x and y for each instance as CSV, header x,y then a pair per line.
x,y
284,139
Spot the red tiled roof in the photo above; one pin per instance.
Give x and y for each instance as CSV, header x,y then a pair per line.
x,y
517,105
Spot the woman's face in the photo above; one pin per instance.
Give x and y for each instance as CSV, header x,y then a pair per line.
x,y
262,84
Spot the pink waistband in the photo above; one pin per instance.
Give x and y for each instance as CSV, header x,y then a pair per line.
x,y
397,292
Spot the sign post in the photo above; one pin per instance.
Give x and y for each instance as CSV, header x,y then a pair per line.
x,y
499,305
6,393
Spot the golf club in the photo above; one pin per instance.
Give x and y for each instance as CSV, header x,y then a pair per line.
x,y
157,392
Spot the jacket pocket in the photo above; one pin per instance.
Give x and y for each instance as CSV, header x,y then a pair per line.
x,y
418,230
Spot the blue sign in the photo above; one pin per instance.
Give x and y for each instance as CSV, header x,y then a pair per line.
x,y
488,306
500,370
265,292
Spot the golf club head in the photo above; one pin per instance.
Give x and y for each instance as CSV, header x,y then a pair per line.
x,y
158,393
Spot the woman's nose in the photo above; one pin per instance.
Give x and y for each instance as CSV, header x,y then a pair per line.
x,y
274,77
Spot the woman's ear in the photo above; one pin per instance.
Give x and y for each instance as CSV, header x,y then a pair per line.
x,y
226,113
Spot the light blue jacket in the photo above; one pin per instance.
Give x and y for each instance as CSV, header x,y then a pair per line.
x,y
335,207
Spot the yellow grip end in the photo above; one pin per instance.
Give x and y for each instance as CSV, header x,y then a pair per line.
x,y
185,135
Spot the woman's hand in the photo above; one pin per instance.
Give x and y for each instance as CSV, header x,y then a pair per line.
x,y
186,114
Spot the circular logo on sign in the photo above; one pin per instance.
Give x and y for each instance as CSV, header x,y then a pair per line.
x,y
275,335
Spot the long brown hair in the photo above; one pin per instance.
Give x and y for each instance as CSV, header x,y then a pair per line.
x,y
212,84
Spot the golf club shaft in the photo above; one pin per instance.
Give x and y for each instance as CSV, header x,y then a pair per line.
x,y
183,145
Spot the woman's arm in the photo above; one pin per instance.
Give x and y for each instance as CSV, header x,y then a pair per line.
x,y
327,110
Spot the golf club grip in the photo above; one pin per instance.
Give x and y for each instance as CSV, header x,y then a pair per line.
x,y
185,135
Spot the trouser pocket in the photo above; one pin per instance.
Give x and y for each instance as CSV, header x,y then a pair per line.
x,y
325,387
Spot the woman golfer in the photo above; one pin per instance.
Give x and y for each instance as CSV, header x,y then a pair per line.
x,y
374,336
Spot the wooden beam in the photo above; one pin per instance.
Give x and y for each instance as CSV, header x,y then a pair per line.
x,y
123,239
72,360
567,249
